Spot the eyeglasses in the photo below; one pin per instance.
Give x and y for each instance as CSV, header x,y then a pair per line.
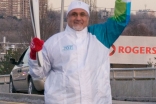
x,y
82,14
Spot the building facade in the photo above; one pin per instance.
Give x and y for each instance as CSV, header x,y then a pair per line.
x,y
146,12
19,8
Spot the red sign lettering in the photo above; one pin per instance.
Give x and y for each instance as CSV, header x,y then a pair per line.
x,y
134,50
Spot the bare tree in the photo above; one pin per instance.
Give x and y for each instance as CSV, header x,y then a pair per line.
x,y
25,31
49,24
141,25
9,27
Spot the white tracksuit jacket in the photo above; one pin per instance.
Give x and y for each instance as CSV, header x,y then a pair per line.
x,y
76,63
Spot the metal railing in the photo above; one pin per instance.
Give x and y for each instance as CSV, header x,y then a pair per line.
x,y
4,79
133,74
115,74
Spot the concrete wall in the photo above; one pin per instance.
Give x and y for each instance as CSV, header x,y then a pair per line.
x,y
132,88
133,82
4,88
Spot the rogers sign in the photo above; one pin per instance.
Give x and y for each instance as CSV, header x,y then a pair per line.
x,y
137,50
133,50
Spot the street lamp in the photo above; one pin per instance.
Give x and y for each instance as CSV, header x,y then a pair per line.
x,y
62,16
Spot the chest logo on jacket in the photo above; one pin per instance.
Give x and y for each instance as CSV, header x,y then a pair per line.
x,y
68,47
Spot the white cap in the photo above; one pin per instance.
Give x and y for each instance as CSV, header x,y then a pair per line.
x,y
78,4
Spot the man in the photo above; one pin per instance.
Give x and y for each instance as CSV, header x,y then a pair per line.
x,y
76,61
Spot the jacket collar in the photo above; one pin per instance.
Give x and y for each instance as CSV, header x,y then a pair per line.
x,y
76,34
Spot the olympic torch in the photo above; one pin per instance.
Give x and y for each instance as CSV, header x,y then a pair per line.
x,y
34,12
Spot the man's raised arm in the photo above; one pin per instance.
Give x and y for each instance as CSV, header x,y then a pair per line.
x,y
108,32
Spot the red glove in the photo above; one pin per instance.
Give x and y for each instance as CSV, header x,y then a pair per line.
x,y
35,46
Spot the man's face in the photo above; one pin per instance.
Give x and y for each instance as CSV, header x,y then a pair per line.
x,y
78,19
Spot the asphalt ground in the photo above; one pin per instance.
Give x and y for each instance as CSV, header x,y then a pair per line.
x,y
6,102
128,102
114,102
